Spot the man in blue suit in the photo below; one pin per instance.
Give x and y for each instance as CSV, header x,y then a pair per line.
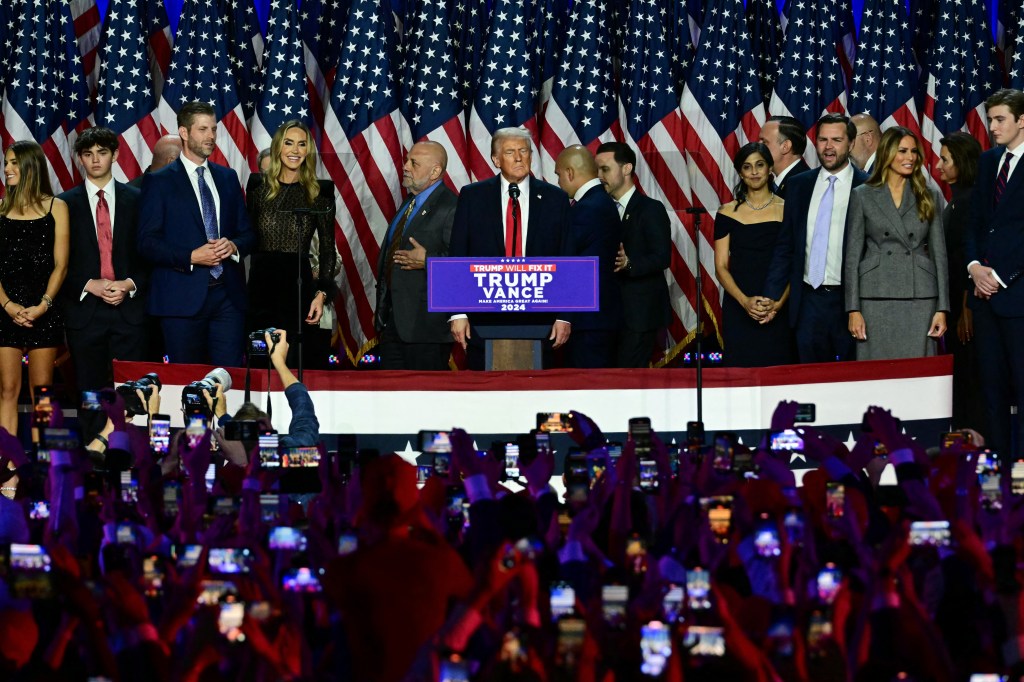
x,y
808,256
994,250
194,229
511,214
594,230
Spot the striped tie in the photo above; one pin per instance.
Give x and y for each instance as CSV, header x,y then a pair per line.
x,y
1004,174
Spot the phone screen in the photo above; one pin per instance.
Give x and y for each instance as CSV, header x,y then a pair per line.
x,y
195,430
553,422
229,560
300,458
929,534
129,488
30,572
229,622
453,669
512,460
435,442
613,605
301,580
672,603
705,641
270,456
698,589
988,481
160,434
787,441
766,538
829,581
1017,478
655,647
152,576
172,498
563,600
285,537
648,475
718,510
640,434
835,499
725,448
42,411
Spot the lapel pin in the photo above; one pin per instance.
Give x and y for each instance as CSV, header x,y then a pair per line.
x,y
625,216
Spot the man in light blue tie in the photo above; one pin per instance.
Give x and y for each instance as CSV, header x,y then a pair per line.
x,y
194,230
808,258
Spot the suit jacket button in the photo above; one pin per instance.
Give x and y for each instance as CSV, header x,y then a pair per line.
x,y
911,235
888,253
886,234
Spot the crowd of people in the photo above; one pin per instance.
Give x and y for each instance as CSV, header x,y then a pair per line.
x,y
217,553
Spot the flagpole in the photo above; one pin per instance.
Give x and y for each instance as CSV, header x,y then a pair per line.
x,y
696,212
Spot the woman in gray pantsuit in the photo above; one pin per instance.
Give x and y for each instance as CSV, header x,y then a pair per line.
x,y
897,289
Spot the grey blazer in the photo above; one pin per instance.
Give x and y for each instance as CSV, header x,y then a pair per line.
x,y
891,252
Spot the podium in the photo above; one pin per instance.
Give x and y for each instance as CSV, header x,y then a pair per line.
x,y
499,295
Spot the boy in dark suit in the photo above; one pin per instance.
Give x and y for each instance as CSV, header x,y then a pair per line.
x,y
105,289
994,250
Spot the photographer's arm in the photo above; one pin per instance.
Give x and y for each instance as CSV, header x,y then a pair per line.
x,y
304,429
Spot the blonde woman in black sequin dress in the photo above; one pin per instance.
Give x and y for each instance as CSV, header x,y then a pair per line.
x,y
33,263
272,198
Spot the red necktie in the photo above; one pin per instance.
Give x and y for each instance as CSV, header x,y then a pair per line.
x,y
105,238
513,230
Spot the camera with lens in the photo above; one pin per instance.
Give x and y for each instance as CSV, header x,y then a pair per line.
x,y
258,341
147,384
192,399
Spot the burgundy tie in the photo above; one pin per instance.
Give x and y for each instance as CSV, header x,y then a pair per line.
x,y
1004,175
105,238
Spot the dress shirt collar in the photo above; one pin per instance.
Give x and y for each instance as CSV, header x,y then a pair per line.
x,y
843,177
190,166
524,188
584,188
422,197
92,189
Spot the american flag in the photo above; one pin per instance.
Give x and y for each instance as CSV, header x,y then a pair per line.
x,y
923,18
159,42
582,109
124,96
245,49
885,78
430,98
722,104
1007,28
86,17
470,22
1016,72
323,31
364,141
283,93
652,124
200,70
884,74
682,33
547,40
811,80
765,41
962,70
45,95
506,90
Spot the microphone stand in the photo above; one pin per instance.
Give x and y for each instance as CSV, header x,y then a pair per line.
x,y
299,254
696,212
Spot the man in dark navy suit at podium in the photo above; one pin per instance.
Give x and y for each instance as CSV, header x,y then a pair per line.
x,y
511,214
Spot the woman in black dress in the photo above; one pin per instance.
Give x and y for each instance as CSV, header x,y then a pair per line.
x,y
958,167
745,232
33,262
287,205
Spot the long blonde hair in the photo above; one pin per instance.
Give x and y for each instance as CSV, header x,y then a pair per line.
x,y
307,171
34,181
887,148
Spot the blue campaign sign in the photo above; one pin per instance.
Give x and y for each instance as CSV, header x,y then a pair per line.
x,y
470,285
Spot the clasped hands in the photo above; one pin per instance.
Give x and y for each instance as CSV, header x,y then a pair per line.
x,y
213,252
761,308
110,291
985,282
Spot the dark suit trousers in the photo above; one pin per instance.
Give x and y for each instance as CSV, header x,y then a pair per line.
x,y
1001,362
215,335
95,346
822,330
635,348
591,349
421,357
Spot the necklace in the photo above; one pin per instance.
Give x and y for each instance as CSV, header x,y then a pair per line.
x,y
771,198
